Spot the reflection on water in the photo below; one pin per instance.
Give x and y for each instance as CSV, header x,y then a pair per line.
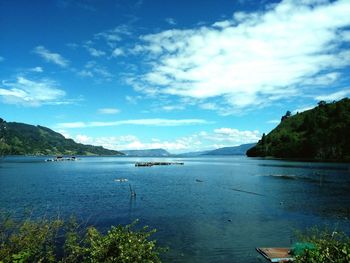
x,y
209,210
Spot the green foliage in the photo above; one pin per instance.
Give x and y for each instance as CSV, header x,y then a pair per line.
x,y
55,241
317,134
24,139
28,241
329,247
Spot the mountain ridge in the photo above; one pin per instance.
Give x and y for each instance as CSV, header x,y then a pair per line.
x,y
232,150
25,139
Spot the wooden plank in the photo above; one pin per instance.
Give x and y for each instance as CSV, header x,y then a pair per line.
x,y
278,254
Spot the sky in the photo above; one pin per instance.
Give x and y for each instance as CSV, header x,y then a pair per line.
x,y
180,75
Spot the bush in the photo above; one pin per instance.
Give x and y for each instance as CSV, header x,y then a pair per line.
x,y
329,247
56,241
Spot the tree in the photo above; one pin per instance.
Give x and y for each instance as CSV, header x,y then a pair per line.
x,y
263,138
287,115
321,103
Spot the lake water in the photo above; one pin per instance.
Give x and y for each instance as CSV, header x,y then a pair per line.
x,y
211,209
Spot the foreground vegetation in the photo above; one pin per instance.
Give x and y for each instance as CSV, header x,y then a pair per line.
x,y
54,240
328,247
319,134
24,139
58,241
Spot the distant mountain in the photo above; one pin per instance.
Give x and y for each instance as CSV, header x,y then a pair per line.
x,y
322,133
192,154
147,153
235,150
24,139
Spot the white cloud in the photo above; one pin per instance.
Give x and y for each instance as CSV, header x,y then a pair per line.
x,y
108,111
334,96
173,107
235,136
325,79
95,52
31,93
69,125
37,69
117,52
114,35
92,69
83,139
85,73
50,56
305,108
171,21
145,122
252,59
222,137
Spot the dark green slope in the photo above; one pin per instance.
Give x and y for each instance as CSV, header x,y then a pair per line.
x,y
24,139
322,134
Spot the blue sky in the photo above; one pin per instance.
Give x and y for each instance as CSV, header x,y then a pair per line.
x,y
179,75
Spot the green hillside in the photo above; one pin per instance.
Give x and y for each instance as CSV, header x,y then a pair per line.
x,y
23,139
322,133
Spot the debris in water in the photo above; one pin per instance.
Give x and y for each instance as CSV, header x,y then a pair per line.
x,y
248,192
132,192
121,180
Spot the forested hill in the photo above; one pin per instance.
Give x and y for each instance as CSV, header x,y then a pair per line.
x,y
322,133
23,139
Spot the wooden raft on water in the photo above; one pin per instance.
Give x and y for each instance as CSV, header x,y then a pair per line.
x,y
276,254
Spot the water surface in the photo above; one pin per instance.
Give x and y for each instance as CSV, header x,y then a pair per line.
x,y
212,209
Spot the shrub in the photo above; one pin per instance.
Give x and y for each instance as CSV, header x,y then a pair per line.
x,y
54,240
329,247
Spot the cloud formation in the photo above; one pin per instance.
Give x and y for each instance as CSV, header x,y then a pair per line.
x,y
37,70
108,111
145,122
221,137
95,52
334,96
94,70
253,59
117,52
50,56
114,35
171,21
31,93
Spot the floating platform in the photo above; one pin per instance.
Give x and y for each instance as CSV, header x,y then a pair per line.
x,y
61,159
121,180
148,164
276,254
